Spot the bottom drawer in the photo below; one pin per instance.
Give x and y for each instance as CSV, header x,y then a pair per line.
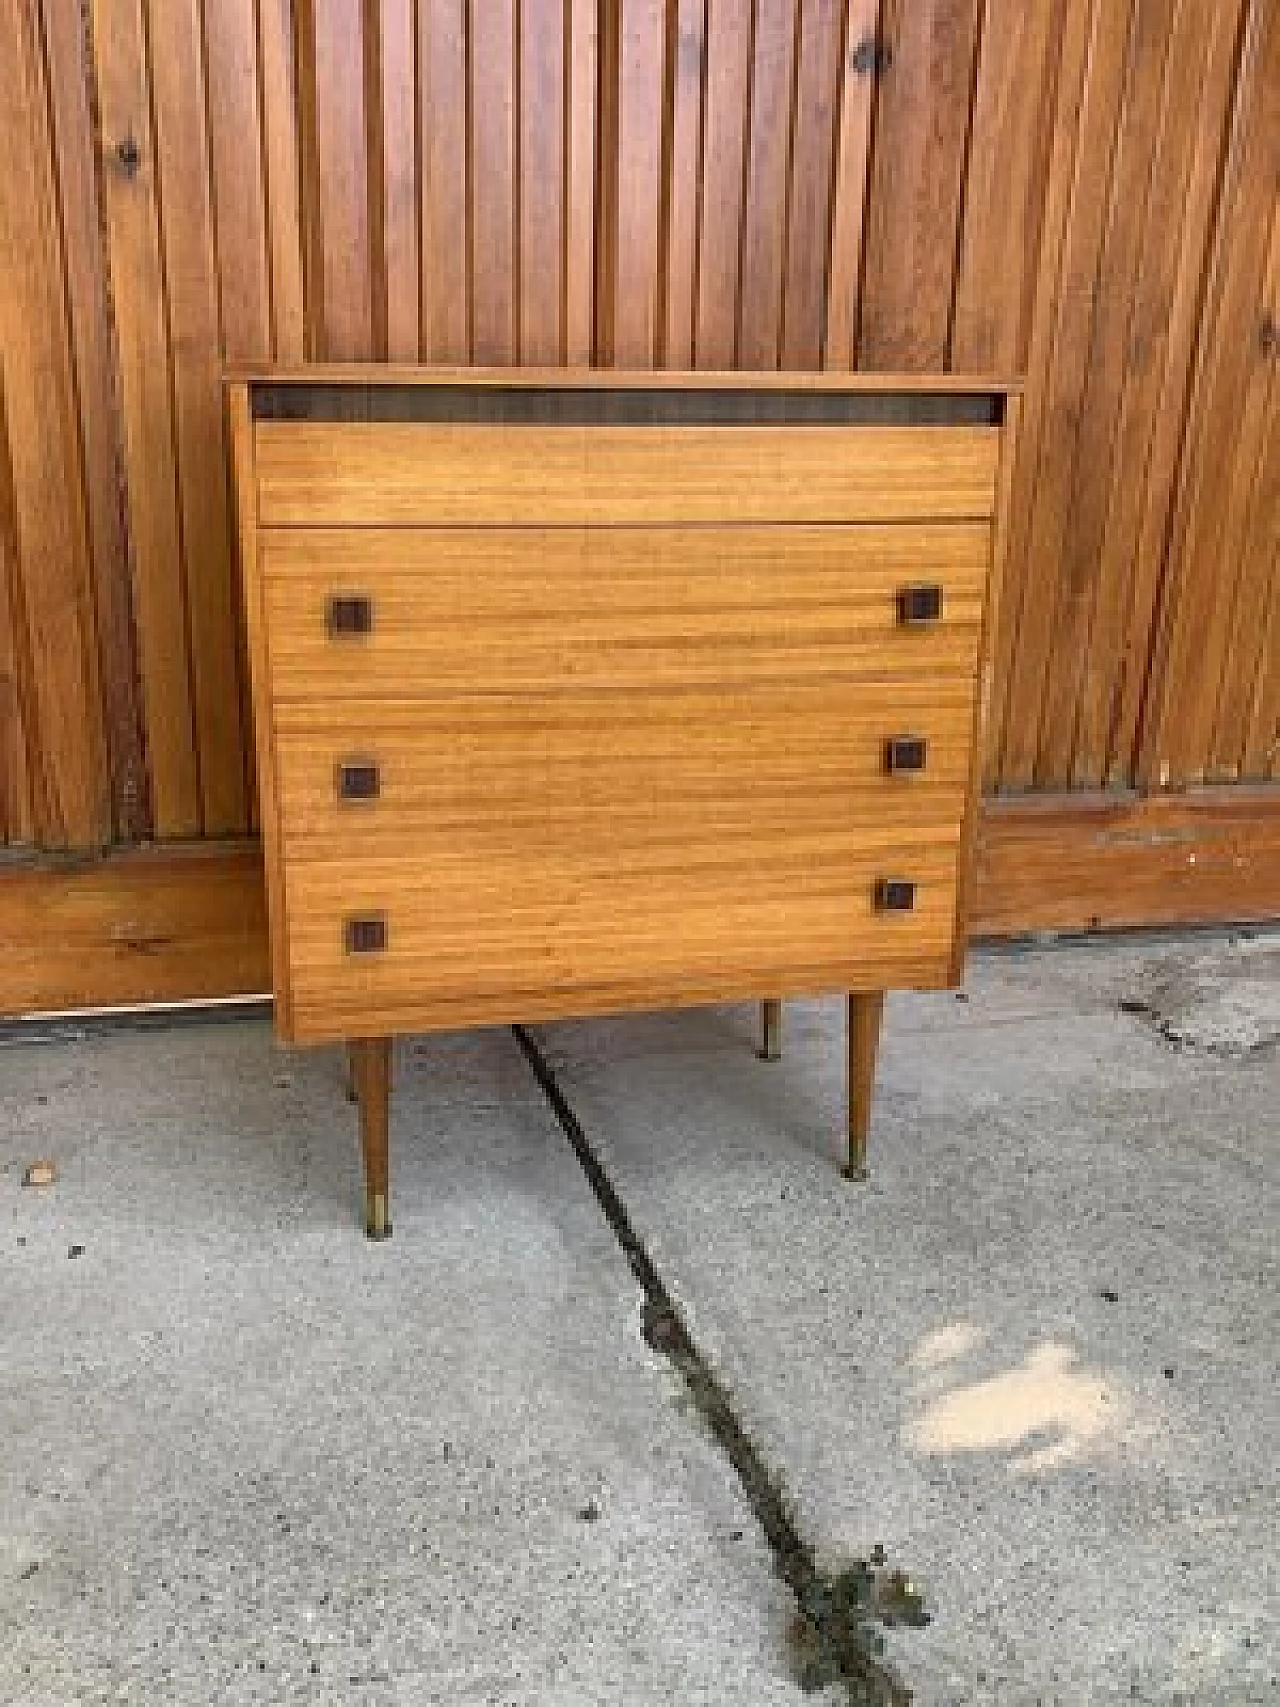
x,y
396,944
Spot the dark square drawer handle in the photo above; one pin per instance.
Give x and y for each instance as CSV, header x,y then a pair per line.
x,y
904,753
918,604
365,933
358,779
350,613
895,895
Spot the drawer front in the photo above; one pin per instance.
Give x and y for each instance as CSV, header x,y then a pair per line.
x,y
620,770
397,943
400,613
374,473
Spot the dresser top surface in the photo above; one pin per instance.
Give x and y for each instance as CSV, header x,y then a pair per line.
x,y
379,374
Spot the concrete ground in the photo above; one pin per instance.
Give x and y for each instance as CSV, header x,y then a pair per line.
x,y
246,1456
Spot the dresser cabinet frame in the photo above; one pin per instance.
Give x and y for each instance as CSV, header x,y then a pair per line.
x,y
648,399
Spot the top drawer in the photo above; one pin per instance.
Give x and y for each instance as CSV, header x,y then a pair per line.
x,y
392,473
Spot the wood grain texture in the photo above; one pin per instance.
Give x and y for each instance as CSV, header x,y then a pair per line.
x,y
851,184
865,1016
133,926
998,577
724,121
491,45
342,277
809,203
147,418
1089,862
764,220
463,766
1006,182
1051,200
17,809
917,174
532,607
445,221
396,268
194,360
901,385
637,221
1158,370
1090,462
637,762
171,924
51,594
687,49
582,73
246,497
596,929
89,313
1217,557
315,473
239,176
278,74
542,180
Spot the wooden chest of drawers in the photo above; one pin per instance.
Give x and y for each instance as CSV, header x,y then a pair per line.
x,y
577,693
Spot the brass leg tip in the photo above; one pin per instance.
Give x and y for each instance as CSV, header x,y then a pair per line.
x,y
855,1171
376,1223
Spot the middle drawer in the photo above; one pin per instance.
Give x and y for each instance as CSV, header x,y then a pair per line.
x,y
621,769
405,612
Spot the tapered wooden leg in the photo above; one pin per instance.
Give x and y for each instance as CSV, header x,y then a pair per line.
x,y
353,1095
865,1014
771,1031
371,1069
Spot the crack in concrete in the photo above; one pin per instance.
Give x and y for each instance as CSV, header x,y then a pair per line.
x,y
832,1635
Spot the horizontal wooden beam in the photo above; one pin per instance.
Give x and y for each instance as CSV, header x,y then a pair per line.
x,y
188,922
163,923
1105,862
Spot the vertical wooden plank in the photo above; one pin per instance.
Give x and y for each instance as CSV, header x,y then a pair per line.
x,y
239,178
1262,739
641,45
853,158
684,172
398,195
493,181
921,127
1110,357
345,319
92,350
17,814
442,127
764,218
582,71
1242,550
52,590
542,179
137,278
606,235
804,307
1225,437
191,269
1025,585
1161,344
724,122
281,161
1006,184
1066,371
1254,535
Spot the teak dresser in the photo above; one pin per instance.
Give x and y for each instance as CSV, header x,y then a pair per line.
x,y
582,692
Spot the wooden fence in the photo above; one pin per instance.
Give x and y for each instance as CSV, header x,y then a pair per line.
x,y
1081,190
